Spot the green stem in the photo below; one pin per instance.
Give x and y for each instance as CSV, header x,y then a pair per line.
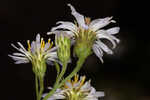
x,y
57,81
36,87
41,88
57,85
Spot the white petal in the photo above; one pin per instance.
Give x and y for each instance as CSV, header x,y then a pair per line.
x,y
16,48
95,21
21,61
63,27
102,34
49,33
104,47
33,47
22,47
51,54
101,23
46,46
99,94
98,52
86,86
38,38
69,34
79,17
18,54
74,27
93,91
54,49
22,50
113,30
37,43
17,58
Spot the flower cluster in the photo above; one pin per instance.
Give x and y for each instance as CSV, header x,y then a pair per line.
x,y
86,37
76,90
38,54
88,34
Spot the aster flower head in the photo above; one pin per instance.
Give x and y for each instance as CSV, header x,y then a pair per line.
x,y
38,54
76,90
88,34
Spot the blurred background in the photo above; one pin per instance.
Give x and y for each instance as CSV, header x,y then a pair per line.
x,y
123,76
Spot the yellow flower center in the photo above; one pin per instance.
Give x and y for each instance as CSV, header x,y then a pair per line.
x,y
42,44
76,80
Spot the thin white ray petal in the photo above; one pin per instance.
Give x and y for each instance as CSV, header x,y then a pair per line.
x,y
70,34
62,27
19,49
104,47
102,23
17,58
104,35
22,47
74,27
38,38
37,43
79,17
113,30
46,46
52,49
86,86
99,94
98,52
93,91
95,21
15,47
33,46
18,54
21,61
49,33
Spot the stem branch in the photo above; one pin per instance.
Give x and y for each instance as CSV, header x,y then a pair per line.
x,y
57,85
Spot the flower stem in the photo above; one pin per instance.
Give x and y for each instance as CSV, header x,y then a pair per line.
x,y
57,81
57,85
41,88
36,86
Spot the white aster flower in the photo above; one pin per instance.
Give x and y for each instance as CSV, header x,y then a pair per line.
x,y
76,90
88,33
38,54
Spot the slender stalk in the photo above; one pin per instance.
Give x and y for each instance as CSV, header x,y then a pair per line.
x,y
57,85
36,87
77,68
57,81
41,88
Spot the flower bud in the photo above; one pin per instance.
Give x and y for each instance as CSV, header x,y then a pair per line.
x,y
63,51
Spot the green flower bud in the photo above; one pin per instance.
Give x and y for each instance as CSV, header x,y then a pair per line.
x,y
63,52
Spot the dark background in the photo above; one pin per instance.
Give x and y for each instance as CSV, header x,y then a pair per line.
x,y
123,76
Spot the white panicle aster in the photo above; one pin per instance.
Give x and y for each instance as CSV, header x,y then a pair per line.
x,y
90,32
37,51
76,90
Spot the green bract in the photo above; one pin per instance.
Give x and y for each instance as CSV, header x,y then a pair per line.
x,y
63,51
84,43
